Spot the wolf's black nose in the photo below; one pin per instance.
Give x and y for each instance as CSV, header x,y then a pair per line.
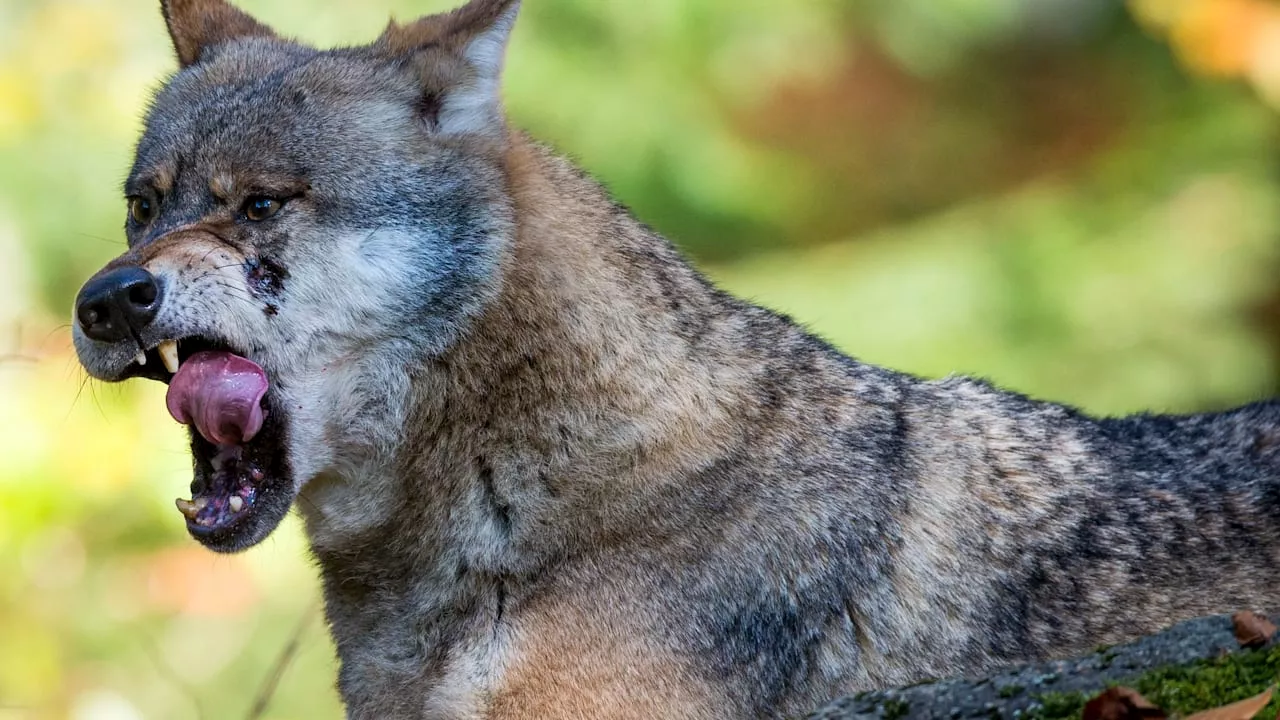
x,y
111,304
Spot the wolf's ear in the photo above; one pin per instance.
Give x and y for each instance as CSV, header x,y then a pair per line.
x,y
195,25
459,56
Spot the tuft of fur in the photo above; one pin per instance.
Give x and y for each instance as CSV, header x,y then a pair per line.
x,y
548,470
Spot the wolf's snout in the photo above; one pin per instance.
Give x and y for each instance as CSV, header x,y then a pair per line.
x,y
117,302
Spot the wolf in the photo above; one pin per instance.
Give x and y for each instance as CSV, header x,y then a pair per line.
x,y
548,470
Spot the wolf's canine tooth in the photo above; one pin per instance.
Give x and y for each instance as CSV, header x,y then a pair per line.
x,y
141,357
169,355
187,508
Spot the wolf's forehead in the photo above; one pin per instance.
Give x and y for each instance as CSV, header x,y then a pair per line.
x,y
254,108
225,125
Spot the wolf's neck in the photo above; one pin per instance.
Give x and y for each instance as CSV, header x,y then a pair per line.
x,y
604,373
573,416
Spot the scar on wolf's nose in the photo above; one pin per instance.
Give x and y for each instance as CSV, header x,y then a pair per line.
x,y
114,305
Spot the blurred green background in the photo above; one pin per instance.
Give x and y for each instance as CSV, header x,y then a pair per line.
x,y
1076,198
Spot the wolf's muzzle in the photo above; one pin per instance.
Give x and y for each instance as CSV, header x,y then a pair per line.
x,y
118,304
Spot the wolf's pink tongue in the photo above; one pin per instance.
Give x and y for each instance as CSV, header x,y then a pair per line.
x,y
221,393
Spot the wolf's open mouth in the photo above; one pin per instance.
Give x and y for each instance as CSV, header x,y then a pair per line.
x,y
241,487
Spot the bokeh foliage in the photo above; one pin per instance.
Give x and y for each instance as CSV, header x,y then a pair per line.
x,y
1075,198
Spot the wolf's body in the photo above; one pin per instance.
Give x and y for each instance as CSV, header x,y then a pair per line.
x,y
550,472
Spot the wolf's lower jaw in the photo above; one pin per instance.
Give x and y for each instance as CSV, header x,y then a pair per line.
x,y
230,489
240,492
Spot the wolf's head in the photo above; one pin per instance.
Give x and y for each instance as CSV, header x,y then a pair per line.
x,y
303,226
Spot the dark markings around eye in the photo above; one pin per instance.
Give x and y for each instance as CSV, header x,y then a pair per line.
x,y
265,278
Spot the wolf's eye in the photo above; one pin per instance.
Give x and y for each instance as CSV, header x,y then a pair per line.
x,y
260,207
142,210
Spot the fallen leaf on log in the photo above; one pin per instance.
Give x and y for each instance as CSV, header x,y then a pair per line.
x,y
1243,710
1122,703
1252,630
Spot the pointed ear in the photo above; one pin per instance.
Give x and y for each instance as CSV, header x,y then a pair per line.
x,y
195,25
459,56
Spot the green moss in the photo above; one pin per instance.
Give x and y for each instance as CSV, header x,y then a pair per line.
x,y
1212,683
1009,691
895,709
1186,688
